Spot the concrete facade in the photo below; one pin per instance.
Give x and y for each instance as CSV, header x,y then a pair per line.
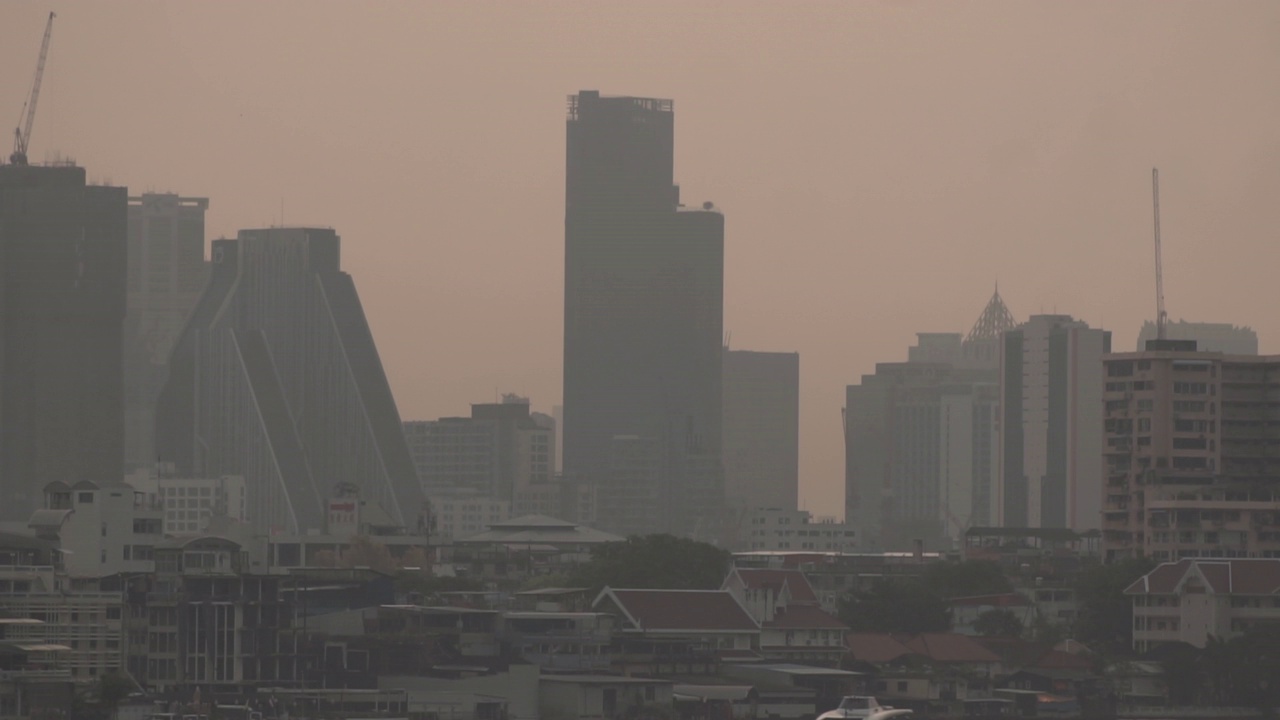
x,y
1192,453
761,429
1051,430
62,308
167,272
643,323
276,378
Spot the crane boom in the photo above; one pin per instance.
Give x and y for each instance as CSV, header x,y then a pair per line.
x,y
1161,318
22,133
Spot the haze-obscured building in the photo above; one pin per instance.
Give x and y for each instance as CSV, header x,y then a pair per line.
x,y
500,448
1192,453
276,378
921,441
644,300
62,307
761,429
1210,337
1051,430
167,271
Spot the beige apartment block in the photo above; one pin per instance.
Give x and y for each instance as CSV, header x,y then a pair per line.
x,y
1191,454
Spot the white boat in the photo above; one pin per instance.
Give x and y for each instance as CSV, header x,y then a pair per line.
x,y
862,707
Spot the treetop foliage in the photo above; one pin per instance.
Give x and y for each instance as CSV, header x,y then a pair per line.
x,y
660,562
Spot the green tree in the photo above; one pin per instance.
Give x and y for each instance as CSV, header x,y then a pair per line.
x,y
662,562
1184,674
899,605
1104,617
998,622
966,579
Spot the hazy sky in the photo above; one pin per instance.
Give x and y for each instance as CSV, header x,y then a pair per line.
x,y
880,164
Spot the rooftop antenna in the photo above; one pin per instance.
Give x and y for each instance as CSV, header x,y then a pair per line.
x,y
1161,317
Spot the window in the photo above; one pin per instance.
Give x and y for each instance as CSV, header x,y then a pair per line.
x,y
85,498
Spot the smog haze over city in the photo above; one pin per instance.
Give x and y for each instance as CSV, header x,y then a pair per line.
x,y
880,165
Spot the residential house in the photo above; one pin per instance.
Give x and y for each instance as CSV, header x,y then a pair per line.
x,y
596,697
790,690
1197,598
793,625
924,672
834,575
679,628
965,611
561,641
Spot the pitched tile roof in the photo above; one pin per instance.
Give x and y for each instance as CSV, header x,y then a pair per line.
x,y
1060,660
1237,576
875,647
805,617
794,580
950,648
715,610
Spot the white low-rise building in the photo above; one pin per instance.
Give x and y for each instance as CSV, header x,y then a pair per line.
x,y
1196,598
773,529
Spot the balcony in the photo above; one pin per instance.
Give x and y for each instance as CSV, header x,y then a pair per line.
x,y
36,675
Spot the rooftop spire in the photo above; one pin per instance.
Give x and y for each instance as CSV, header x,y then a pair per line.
x,y
994,320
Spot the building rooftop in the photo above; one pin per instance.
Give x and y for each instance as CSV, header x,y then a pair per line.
x,y
659,610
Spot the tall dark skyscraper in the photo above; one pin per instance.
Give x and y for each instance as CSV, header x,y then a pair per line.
x,y
167,272
644,300
276,378
62,306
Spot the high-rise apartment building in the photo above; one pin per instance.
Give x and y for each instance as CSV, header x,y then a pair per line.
x,y
761,442
276,378
644,285
1051,431
167,271
921,445
1192,454
1209,337
62,307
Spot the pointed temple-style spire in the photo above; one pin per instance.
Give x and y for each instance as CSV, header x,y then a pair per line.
x,y
994,320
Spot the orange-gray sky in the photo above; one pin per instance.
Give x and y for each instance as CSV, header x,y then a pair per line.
x,y
880,164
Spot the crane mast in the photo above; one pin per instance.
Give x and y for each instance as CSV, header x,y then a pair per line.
x,y
22,133
1161,318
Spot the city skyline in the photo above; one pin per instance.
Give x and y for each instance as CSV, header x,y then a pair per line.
x,y
1035,176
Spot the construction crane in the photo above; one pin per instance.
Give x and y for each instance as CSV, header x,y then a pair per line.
x,y
1161,317
22,133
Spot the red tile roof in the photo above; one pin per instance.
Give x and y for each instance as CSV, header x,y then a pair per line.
x,y
1060,660
805,617
1254,576
875,647
950,648
793,580
714,610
